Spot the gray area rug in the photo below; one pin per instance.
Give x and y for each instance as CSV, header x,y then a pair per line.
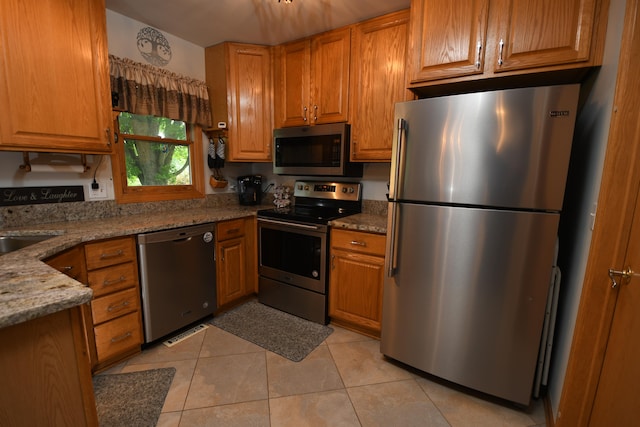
x,y
133,398
274,330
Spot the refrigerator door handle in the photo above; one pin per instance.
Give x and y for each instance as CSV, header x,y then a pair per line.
x,y
394,186
392,243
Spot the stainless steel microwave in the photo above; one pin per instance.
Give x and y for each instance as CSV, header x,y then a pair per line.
x,y
320,150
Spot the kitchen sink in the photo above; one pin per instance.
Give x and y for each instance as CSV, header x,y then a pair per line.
x,y
13,243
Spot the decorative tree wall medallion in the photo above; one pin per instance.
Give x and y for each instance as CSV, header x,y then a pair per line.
x,y
154,47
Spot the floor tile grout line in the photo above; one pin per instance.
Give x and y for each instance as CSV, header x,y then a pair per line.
x,y
435,405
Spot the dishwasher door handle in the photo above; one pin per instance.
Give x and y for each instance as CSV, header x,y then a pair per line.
x,y
185,239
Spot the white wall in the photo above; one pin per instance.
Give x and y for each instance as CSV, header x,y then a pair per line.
x,y
583,185
186,58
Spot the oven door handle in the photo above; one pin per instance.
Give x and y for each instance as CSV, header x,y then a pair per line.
x,y
290,224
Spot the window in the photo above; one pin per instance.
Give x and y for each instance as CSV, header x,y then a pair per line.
x,y
157,158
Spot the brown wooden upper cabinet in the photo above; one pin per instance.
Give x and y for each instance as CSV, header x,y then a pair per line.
x,y
476,39
378,55
54,78
312,80
241,92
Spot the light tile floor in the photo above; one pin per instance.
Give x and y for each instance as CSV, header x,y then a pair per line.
x,y
223,380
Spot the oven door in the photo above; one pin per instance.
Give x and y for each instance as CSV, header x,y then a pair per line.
x,y
293,253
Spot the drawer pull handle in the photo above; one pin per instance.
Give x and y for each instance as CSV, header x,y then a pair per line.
x,y
357,243
113,282
120,338
233,231
67,268
117,253
118,306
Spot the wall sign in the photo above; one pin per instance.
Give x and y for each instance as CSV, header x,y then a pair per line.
x,y
153,46
39,195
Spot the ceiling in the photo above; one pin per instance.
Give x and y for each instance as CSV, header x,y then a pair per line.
x,y
208,22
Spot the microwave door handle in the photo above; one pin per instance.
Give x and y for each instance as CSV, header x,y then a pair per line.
x,y
394,187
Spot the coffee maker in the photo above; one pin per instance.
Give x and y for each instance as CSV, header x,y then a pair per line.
x,y
250,189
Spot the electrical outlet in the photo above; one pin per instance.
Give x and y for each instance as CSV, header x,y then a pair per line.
x,y
99,193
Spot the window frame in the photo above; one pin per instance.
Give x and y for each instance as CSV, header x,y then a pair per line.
x,y
152,193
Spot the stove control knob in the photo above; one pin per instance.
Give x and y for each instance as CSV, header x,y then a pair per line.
x,y
344,189
351,190
306,187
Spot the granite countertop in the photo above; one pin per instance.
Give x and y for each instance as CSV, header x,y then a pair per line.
x,y
372,223
29,288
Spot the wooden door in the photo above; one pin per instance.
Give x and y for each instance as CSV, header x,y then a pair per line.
x,y
378,53
250,98
601,383
447,39
293,68
54,78
617,401
536,33
330,53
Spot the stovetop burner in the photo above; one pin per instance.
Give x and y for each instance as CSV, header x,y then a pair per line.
x,y
305,214
319,202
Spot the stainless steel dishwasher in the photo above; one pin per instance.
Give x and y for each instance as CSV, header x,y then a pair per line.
x,y
177,278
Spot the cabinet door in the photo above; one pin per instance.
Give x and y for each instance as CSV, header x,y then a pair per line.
x,y
250,98
293,84
70,262
447,38
330,53
355,289
538,33
231,270
45,373
378,54
54,78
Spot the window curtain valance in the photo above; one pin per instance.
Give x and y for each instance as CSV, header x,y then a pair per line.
x,y
145,89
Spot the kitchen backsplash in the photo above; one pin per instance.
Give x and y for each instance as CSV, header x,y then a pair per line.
x,y
19,216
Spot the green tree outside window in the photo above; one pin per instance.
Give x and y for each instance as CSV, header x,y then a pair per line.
x,y
154,154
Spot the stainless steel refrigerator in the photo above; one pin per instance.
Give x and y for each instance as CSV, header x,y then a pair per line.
x,y
476,188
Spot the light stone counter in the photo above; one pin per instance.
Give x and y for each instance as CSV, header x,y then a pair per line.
x,y
29,288
372,223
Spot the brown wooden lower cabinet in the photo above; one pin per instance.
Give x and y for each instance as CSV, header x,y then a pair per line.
x,y
356,280
236,263
113,320
46,377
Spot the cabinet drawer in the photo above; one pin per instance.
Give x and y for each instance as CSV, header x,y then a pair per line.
x,y
114,305
229,229
112,279
356,241
117,336
109,252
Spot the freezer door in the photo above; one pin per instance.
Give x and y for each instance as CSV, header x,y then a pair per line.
x,y
506,148
467,298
